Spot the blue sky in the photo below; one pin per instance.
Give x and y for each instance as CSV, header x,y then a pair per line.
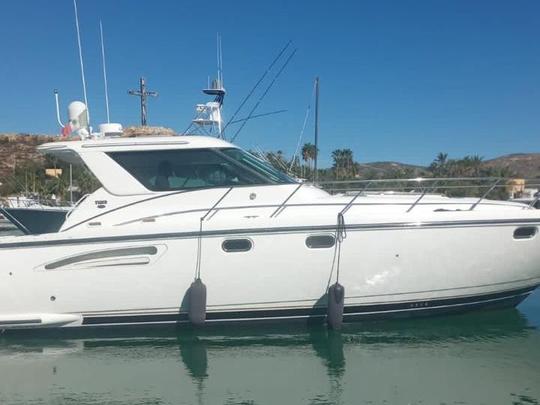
x,y
400,80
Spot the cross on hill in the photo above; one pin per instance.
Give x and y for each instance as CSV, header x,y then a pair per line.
x,y
143,94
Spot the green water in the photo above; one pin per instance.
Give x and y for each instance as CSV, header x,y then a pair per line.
x,y
482,358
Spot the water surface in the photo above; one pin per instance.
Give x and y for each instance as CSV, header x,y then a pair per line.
x,y
488,357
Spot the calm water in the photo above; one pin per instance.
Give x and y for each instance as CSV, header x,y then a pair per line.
x,y
482,358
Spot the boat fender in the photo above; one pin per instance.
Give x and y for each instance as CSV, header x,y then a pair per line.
x,y
336,303
197,303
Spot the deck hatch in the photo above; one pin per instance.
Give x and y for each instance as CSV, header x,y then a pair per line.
x,y
104,254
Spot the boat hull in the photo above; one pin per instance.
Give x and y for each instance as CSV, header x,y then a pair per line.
x,y
387,272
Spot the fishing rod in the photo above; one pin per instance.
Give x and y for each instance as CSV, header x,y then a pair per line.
x,y
258,116
264,93
268,69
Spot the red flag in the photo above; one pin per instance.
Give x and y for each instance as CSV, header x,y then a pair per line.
x,y
66,131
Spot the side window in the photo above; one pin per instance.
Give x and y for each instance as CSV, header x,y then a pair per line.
x,y
320,241
236,245
525,232
182,169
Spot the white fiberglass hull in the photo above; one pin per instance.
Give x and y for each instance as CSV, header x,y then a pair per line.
x,y
392,270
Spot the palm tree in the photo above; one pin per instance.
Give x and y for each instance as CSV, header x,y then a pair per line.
x,y
308,154
476,163
440,166
343,163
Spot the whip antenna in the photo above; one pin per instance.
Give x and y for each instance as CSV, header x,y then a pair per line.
x,y
81,60
104,71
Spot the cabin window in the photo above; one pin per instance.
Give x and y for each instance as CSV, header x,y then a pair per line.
x,y
236,245
320,241
525,232
181,169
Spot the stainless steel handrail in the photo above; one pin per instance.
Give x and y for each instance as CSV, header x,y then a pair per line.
x,y
346,205
411,185
216,204
275,213
484,195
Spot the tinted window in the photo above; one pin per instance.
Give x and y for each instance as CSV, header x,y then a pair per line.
x,y
165,170
320,241
236,245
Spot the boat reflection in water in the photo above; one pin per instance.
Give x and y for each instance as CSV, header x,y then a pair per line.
x,y
490,357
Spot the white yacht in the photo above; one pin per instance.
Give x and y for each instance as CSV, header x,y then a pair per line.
x,y
174,209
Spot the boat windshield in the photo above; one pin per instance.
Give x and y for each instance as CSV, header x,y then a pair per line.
x,y
180,169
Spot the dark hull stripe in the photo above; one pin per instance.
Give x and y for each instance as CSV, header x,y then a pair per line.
x,y
276,230
350,312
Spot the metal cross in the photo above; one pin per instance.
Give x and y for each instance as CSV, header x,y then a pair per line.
x,y
143,94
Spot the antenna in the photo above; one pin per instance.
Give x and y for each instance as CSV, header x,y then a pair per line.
x,y
208,119
58,109
81,62
315,174
104,71
219,60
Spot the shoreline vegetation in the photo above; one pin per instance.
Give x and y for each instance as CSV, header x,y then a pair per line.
x,y
25,172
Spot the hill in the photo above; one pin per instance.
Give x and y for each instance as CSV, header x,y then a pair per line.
x,y
17,148
526,165
389,169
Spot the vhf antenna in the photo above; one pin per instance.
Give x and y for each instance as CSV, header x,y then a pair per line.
x,y
104,71
81,62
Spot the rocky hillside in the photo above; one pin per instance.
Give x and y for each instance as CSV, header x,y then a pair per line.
x,y
526,165
18,148
131,132
390,169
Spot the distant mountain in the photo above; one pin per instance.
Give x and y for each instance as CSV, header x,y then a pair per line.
x,y
386,169
526,165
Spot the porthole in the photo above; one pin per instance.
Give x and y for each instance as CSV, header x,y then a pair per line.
x,y
320,241
236,245
525,232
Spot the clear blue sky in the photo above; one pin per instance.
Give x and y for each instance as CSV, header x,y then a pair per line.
x,y
400,80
